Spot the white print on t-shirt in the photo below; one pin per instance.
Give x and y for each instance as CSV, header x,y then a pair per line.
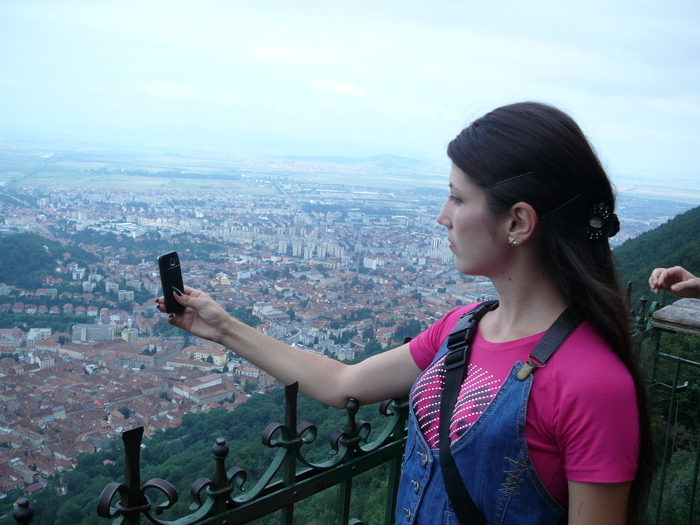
x,y
476,392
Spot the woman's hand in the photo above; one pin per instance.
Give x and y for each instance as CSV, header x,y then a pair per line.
x,y
676,280
202,317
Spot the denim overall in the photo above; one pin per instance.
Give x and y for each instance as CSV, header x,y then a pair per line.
x,y
494,461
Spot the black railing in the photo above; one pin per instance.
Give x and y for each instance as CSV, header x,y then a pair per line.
x,y
290,478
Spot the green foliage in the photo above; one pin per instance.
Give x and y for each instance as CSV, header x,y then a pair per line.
x,y
271,274
192,247
362,313
58,323
228,175
27,258
246,316
408,329
677,488
309,207
673,243
371,348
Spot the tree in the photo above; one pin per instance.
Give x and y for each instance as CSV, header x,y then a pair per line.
x,y
373,347
126,412
69,514
410,328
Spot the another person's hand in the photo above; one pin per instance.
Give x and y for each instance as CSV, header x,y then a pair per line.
x,y
202,317
676,280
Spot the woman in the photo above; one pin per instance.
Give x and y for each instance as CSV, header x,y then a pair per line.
x,y
531,208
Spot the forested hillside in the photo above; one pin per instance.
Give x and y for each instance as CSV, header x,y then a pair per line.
x,y
676,242
25,259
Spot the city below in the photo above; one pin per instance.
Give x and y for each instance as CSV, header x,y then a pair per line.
x,y
339,269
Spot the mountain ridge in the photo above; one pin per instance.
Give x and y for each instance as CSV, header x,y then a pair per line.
x,y
674,243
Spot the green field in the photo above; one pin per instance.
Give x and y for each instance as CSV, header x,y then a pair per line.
x,y
55,165
73,177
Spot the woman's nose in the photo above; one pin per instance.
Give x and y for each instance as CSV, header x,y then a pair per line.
x,y
442,218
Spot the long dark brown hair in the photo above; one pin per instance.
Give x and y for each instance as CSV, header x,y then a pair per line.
x,y
532,152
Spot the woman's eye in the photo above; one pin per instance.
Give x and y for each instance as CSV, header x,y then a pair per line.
x,y
455,200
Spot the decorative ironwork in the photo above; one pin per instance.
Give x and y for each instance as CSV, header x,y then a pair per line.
x,y
133,497
223,499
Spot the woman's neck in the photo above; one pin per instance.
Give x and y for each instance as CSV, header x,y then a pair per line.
x,y
529,302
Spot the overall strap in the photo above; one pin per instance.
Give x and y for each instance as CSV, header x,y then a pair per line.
x,y
553,338
459,345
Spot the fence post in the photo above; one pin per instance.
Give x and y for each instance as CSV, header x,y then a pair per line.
x,y
23,512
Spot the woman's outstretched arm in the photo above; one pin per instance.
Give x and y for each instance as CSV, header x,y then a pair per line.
x,y
383,376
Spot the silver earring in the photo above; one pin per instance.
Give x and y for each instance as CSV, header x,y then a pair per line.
x,y
512,241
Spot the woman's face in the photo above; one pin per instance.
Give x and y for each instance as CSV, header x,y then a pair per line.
x,y
471,229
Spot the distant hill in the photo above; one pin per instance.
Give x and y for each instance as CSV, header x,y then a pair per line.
x,y
677,242
384,161
25,259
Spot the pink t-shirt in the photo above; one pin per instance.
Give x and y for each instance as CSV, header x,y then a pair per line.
x,y
582,418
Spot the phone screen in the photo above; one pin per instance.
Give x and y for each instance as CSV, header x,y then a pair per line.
x,y
171,275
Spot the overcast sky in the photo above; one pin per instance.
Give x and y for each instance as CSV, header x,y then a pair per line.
x,y
356,77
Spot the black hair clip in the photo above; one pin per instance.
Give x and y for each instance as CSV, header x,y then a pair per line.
x,y
602,222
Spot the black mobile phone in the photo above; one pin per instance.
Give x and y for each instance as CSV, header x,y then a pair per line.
x,y
171,275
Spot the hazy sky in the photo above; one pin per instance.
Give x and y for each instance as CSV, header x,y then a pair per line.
x,y
356,77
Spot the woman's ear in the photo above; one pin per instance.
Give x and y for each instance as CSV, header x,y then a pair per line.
x,y
522,222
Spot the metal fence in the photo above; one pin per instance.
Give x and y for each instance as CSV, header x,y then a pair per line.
x,y
224,500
